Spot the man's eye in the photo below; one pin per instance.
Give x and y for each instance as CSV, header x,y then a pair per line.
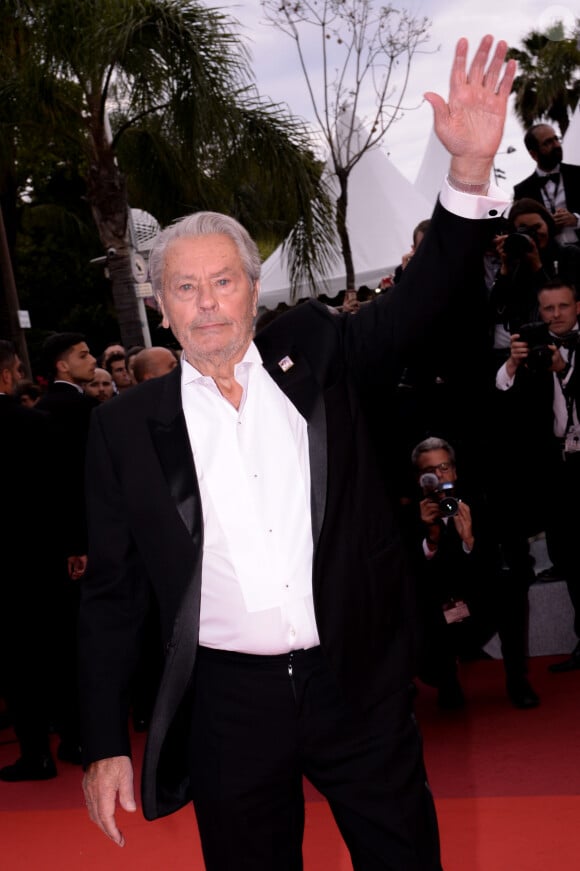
x,y
222,282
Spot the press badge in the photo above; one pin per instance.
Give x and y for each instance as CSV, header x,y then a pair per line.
x,y
455,611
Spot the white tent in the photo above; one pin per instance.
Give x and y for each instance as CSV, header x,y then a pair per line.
x,y
571,140
433,169
383,210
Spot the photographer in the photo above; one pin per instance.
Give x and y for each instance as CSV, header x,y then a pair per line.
x,y
540,381
529,257
462,595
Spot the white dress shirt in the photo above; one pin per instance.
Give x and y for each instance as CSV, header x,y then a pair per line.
x,y
254,476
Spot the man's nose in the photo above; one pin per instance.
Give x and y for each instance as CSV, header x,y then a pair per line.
x,y
206,297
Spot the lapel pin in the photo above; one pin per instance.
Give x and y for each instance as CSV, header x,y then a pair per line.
x,y
285,363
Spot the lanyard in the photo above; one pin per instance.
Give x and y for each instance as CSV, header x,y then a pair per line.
x,y
567,388
551,198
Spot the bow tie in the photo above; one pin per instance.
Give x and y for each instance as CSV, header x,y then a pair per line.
x,y
569,341
553,176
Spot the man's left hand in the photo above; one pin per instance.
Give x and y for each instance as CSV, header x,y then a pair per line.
x,y
470,125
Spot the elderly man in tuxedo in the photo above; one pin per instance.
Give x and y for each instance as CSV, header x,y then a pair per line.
x,y
230,490
553,183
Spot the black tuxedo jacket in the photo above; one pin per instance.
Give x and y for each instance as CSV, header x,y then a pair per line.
x,y
146,525
570,178
28,485
69,412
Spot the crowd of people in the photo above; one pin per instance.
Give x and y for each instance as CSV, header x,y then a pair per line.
x,y
410,410
44,432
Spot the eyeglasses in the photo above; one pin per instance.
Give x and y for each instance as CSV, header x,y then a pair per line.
x,y
440,467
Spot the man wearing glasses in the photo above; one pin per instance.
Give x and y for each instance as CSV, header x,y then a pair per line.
x,y
462,595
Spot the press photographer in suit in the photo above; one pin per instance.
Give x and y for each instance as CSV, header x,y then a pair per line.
x,y
230,490
540,382
464,596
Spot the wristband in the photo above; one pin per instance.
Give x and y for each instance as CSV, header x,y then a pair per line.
x,y
466,187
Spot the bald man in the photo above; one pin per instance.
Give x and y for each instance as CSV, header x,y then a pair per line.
x,y
101,387
153,362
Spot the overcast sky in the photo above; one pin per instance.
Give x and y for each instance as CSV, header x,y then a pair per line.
x,y
279,77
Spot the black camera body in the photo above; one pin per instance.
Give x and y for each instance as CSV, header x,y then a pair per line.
x,y
445,496
537,337
518,244
441,492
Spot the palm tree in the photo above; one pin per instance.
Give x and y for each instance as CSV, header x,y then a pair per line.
x,y
172,79
548,83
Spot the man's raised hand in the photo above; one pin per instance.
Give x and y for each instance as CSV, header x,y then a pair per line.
x,y
470,125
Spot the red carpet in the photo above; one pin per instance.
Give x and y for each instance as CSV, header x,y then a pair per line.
x,y
506,785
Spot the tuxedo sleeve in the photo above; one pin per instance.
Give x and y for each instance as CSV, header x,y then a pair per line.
x,y
113,607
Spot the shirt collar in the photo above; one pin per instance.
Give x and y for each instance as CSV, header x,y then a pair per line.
x,y
70,383
191,374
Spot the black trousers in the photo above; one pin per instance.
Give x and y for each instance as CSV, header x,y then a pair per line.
x,y
261,723
563,524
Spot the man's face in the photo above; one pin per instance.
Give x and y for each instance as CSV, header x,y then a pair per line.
x,y
559,310
207,300
77,365
438,463
120,374
548,151
101,387
11,375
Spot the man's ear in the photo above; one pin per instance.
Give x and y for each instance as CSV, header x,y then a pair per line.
x,y
255,295
61,366
164,321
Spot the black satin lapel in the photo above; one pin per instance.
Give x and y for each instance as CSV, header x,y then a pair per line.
x,y
318,466
303,391
169,435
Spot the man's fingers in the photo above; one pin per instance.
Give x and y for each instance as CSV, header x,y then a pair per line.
x,y
478,64
458,74
127,798
493,73
103,782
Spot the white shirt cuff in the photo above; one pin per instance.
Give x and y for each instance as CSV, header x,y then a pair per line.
x,y
474,206
502,379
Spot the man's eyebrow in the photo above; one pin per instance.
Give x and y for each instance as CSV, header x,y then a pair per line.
x,y
177,276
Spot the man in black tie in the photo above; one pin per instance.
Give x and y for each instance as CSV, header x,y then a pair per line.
x,y
553,183
540,381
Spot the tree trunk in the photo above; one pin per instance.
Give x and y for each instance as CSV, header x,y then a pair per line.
x,y
341,228
108,199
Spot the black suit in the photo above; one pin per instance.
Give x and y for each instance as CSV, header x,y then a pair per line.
x,y
27,485
146,529
552,480
69,412
570,179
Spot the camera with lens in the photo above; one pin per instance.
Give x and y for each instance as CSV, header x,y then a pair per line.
x,y
518,244
444,494
537,338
